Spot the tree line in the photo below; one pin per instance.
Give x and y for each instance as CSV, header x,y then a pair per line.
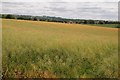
x,y
56,19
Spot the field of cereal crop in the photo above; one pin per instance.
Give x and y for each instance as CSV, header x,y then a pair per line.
x,y
58,50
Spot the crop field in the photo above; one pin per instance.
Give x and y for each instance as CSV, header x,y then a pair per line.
x,y
32,49
107,25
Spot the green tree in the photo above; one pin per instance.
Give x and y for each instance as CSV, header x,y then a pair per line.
x,y
10,16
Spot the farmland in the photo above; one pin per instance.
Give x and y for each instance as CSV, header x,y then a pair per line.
x,y
107,25
58,50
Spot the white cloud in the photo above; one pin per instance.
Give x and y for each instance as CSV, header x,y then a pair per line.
x,y
60,0
86,10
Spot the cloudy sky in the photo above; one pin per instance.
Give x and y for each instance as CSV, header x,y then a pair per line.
x,y
82,9
60,0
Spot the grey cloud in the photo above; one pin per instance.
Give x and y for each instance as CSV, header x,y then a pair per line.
x,y
91,10
60,10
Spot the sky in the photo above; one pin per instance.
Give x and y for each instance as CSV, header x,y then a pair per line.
x,y
60,0
80,9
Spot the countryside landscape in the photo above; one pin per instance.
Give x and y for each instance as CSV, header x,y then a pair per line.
x,y
57,47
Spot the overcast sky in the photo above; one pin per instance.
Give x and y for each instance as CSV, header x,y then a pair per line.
x,y
60,0
82,9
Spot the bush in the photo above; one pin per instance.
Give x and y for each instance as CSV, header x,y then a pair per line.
x,y
10,16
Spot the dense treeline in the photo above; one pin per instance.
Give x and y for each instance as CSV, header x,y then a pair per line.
x,y
56,19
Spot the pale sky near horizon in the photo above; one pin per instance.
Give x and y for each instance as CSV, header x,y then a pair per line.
x,y
60,0
80,9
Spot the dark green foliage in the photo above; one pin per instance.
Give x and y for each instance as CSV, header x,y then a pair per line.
x,y
118,26
10,16
58,19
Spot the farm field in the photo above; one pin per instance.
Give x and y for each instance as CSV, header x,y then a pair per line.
x,y
107,25
57,50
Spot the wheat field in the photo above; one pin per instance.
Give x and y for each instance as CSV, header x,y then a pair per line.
x,y
57,50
